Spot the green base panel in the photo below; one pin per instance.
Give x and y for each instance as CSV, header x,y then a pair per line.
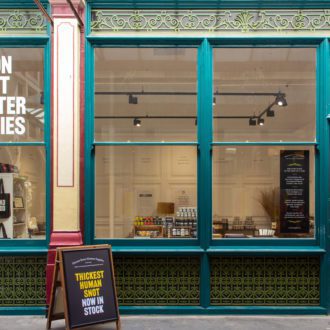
x,y
142,280
22,281
175,281
260,281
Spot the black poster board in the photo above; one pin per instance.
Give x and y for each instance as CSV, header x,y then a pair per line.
x,y
294,186
86,277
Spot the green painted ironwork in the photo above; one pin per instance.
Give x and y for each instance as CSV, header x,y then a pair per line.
x,y
156,280
25,21
210,20
265,281
22,281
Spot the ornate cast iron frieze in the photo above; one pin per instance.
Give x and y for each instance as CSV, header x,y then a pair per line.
x,y
22,22
210,20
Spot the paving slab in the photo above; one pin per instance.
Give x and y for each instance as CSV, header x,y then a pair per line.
x,y
177,322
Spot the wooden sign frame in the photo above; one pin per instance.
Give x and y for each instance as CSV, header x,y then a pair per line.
x,y
59,284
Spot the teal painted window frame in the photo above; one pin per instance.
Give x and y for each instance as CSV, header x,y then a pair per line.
x,y
204,245
91,144
30,246
20,4
205,139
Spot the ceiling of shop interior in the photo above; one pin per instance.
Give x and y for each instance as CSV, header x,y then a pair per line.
x,y
289,70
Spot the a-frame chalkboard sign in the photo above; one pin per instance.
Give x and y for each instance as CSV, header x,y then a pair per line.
x,y
83,290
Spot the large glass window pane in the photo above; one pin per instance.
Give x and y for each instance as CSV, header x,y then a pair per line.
x,y
263,191
145,94
22,192
21,94
146,192
273,87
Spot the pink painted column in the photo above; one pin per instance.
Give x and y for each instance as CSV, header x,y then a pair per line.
x,y
66,132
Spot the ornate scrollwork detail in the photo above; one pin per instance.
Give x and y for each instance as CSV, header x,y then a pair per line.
x,y
22,21
209,20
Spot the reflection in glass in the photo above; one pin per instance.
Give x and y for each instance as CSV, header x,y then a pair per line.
x,y
145,192
22,172
246,191
145,94
264,94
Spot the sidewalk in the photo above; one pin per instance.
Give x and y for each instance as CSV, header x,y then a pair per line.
x,y
182,323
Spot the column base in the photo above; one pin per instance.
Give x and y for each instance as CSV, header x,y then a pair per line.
x,y
59,239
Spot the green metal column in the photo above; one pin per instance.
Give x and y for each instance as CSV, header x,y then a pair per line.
x,y
323,106
205,163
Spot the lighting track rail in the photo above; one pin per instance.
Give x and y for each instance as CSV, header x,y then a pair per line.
x,y
280,100
189,93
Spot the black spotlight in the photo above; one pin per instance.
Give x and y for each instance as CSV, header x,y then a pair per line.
x,y
132,99
280,100
42,98
137,122
214,101
270,113
261,121
252,122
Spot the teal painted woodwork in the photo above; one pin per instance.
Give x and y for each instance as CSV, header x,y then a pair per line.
x,y
19,4
19,310
323,99
29,39
223,310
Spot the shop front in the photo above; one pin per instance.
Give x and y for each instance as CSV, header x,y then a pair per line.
x,y
191,136
207,155
24,157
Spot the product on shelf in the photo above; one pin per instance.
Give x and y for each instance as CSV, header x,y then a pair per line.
x,y
183,225
249,224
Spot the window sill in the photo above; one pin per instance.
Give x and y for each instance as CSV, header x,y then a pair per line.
x,y
255,250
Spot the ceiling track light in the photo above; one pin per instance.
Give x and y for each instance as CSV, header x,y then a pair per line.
x,y
261,121
280,100
214,100
270,113
252,121
137,122
132,99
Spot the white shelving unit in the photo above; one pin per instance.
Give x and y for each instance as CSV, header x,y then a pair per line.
x,y
16,224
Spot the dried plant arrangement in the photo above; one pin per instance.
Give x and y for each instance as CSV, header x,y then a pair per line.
x,y
269,199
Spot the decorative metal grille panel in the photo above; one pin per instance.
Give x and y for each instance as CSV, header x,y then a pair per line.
x,y
22,281
157,280
23,21
265,281
210,20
